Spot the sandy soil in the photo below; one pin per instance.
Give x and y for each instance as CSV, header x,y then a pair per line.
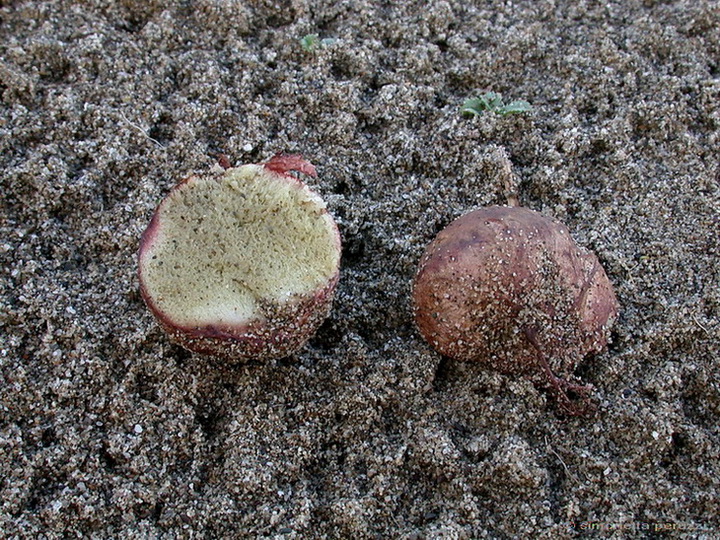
x,y
108,430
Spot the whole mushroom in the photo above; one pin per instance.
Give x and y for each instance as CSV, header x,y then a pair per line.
x,y
508,287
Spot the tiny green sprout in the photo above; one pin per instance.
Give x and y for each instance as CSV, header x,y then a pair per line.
x,y
312,42
492,101
309,42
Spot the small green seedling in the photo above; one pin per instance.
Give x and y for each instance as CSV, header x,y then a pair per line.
x,y
493,102
312,42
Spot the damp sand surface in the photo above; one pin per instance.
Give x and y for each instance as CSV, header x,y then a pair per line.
x,y
108,430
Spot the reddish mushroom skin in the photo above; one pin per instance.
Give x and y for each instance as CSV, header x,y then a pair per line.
x,y
509,287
